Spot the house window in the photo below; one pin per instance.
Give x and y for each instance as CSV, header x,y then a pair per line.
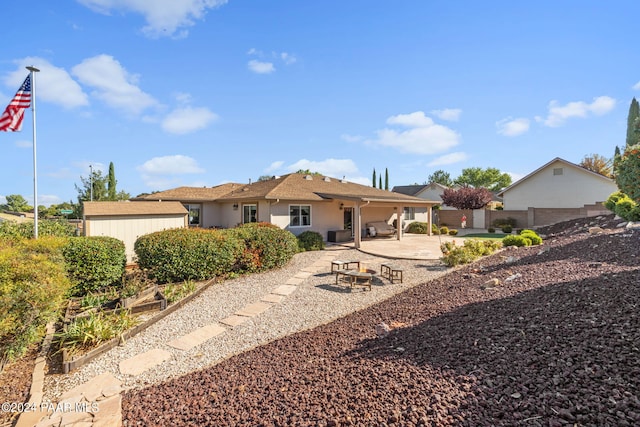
x,y
557,171
409,213
299,215
249,213
194,215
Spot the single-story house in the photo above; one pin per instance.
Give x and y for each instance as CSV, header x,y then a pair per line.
x,y
128,220
558,184
295,202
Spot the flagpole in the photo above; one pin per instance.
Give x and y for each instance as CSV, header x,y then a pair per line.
x,y
34,70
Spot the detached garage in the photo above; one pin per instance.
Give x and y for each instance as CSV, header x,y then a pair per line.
x,y
129,220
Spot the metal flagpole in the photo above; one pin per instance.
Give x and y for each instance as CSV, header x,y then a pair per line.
x,y
34,70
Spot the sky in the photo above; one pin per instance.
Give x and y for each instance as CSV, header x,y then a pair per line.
x,y
204,92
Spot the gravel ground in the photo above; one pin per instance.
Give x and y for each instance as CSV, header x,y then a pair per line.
x,y
316,301
539,336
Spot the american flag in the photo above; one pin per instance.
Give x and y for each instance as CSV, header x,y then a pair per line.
x,y
11,119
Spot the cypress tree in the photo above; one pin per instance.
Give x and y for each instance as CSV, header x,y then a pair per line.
x,y
111,183
633,122
386,179
380,182
374,178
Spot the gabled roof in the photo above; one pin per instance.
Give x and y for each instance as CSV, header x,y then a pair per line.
x,y
133,208
413,190
557,159
294,186
192,194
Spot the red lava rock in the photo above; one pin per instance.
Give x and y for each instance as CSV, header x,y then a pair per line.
x,y
563,337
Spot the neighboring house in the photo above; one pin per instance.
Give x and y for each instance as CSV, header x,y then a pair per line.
x,y
294,202
128,220
558,184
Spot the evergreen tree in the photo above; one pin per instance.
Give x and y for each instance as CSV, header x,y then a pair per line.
x,y
633,121
386,179
380,182
94,187
440,177
111,183
374,178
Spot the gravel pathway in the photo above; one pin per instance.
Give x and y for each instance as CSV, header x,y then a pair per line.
x,y
316,301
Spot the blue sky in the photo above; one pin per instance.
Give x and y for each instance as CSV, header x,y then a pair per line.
x,y
202,92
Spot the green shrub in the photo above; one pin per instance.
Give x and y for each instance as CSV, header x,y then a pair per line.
x,y
627,209
89,331
611,201
94,262
444,230
531,235
188,253
507,229
516,240
46,228
435,230
491,230
266,246
628,173
176,291
310,241
501,222
472,249
418,227
453,232
33,288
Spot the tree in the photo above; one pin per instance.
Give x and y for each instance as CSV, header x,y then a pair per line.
x,y
16,203
441,177
598,164
489,178
386,179
628,172
633,123
265,178
374,178
466,198
380,182
93,188
111,182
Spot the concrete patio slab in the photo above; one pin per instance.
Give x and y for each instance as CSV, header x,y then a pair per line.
x,y
143,361
252,310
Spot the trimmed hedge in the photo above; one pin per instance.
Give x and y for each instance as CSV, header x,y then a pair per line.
x,y
418,227
24,230
472,249
33,288
187,253
531,235
94,262
267,246
310,241
516,240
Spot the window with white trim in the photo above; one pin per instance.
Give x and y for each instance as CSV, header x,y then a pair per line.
x,y
194,215
299,215
249,213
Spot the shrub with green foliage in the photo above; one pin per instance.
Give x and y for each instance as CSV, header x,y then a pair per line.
x,y
501,222
417,227
453,232
628,209
628,172
89,331
435,230
188,253
310,241
24,230
491,230
33,288
507,229
611,201
444,230
267,246
94,262
516,240
472,249
531,235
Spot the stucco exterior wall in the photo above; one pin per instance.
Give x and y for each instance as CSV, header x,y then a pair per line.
x,y
129,228
574,188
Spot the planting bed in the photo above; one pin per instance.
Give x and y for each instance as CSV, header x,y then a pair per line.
x,y
542,336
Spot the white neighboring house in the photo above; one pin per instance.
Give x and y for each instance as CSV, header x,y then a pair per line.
x,y
558,184
129,220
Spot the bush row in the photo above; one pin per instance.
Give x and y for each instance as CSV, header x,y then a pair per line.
x,y
418,227
471,250
623,206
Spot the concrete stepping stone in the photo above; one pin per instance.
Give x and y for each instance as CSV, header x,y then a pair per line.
x,y
254,309
234,320
302,275
143,361
284,290
273,298
294,281
196,337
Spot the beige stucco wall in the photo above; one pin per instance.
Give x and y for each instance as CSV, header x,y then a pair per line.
x,y
129,228
325,216
573,189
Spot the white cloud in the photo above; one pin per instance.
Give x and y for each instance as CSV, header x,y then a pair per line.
x,y
288,58
558,114
274,166
449,159
260,67
163,17
113,84
512,127
351,138
636,86
449,114
330,167
188,119
423,137
23,143
53,84
170,165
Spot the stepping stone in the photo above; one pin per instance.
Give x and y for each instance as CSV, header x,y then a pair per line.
x,y
196,337
284,290
302,275
254,309
92,389
276,299
140,363
234,320
294,281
